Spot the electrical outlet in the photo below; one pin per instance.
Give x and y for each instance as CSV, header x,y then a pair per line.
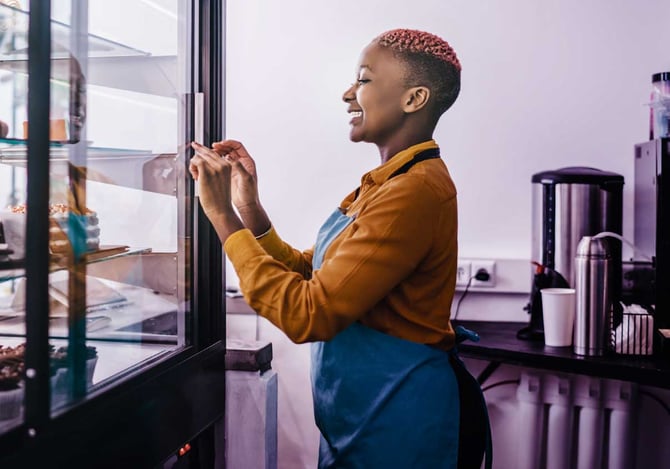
x,y
462,273
487,266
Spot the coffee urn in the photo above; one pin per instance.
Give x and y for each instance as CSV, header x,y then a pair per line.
x,y
568,204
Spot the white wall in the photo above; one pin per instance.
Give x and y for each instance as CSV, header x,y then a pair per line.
x,y
545,85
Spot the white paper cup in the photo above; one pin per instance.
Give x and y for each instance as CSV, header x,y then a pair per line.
x,y
558,313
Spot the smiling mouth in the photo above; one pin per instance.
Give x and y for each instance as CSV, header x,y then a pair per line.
x,y
356,113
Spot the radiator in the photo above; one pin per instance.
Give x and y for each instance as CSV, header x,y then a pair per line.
x,y
580,422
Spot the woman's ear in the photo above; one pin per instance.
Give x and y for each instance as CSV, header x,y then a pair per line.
x,y
415,99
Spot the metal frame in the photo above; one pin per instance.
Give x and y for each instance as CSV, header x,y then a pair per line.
x,y
37,237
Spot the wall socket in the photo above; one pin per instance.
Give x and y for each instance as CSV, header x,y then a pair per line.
x,y
463,272
505,275
487,265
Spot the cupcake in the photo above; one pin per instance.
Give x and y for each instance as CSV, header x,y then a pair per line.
x,y
11,375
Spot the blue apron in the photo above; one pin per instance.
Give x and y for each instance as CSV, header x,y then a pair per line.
x,y
382,401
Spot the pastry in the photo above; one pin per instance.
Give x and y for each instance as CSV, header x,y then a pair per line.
x,y
60,222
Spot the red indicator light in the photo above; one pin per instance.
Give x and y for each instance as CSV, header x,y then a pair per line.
x,y
184,449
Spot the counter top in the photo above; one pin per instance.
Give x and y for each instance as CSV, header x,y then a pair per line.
x,y
498,343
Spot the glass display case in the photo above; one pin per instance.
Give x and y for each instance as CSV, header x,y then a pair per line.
x,y
110,278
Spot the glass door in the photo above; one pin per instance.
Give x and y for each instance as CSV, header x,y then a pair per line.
x,y
117,205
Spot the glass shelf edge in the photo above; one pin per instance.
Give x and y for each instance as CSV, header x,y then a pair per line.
x,y
16,273
17,20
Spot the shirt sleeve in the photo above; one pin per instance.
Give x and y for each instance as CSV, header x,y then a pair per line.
x,y
295,260
385,243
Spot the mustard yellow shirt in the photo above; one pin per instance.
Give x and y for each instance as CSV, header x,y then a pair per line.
x,y
393,268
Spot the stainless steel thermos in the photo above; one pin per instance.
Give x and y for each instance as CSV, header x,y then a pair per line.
x,y
593,281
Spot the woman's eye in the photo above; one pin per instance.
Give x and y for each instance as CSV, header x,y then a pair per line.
x,y
361,81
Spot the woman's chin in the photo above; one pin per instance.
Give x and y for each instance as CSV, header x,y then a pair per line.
x,y
355,136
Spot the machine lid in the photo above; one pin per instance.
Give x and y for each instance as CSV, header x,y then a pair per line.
x,y
577,175
591,247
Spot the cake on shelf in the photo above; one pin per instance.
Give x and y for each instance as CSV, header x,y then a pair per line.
x,y
61,229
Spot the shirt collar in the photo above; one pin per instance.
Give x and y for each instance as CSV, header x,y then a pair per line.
x,y
380,174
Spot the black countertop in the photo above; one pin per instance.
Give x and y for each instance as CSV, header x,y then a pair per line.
x,y
498,343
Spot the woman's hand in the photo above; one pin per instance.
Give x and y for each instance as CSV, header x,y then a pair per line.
x,y
244,176
213,172
244,185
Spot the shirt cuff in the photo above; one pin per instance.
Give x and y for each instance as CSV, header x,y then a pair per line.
x,y
271,243
264,234
242,246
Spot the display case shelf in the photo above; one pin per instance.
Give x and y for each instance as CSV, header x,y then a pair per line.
x,y
131,168
13,269
108,61
14,39
16,150
151,74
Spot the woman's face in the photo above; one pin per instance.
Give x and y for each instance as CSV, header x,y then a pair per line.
x,y
375,100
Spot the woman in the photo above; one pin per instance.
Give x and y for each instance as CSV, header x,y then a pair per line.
x,y
374,293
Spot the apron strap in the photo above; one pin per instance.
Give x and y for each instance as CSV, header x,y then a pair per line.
x,y
474,438
474,434
419,157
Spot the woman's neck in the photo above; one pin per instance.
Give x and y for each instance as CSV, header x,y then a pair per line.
x,y
392,148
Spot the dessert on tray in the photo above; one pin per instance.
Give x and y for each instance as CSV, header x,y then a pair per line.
x,y
64,227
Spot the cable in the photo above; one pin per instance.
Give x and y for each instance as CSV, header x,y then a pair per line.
x,y
501,383
605,234
482,275
657,399
465,292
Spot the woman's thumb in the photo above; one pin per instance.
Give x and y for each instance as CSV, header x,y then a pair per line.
x,y
240,167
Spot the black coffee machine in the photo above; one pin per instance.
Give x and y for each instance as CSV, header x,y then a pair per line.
x,y
652,237
567,204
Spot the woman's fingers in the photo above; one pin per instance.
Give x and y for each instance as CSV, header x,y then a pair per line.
x,y
231,146
205,152
193,169
234,150
206,162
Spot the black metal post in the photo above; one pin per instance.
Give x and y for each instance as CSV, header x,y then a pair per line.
x,y
37,236
210,309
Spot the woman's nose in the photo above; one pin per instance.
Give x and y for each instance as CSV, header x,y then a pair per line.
x,y
349,94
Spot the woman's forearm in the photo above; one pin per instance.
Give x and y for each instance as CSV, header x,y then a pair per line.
x,y
226,224
255,218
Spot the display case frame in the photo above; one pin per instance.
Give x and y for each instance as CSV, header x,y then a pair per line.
x,y
153,410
